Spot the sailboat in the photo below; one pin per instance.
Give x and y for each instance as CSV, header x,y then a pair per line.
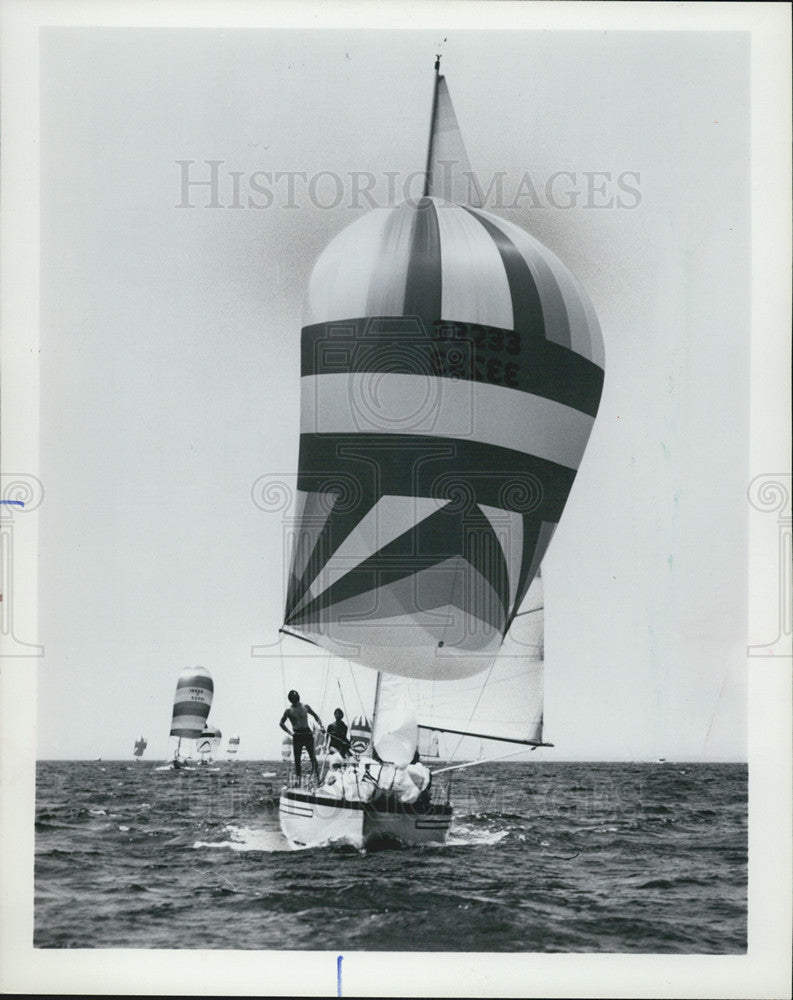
x,y
208,743
452,369
191,704
140,746
429,746
233,747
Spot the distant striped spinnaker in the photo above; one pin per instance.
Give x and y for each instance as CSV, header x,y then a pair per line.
x,y
360,734
191,704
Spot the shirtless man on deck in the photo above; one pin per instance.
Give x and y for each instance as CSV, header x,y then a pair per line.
x,y
301,734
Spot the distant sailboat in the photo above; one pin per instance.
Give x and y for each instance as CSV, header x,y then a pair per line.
x,y
208,743
140,746
233,748
451,372
429,747
191,704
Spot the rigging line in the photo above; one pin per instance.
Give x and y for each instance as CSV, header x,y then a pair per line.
x,y
341,696
451,595
476,705
283,672
492,665
322,704
355,685
488,760
530,611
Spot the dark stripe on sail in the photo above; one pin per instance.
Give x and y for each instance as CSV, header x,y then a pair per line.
x,y
462,471
531,535
528,363
537,537
423,289
337,527
190,708
195,682
527,317
436,539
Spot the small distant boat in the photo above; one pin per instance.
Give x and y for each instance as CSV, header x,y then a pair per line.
x,y
191,704
140,746
233,747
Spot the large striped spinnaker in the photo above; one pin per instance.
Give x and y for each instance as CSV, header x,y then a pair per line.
x,y
451,371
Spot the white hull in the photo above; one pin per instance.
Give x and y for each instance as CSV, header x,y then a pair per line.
x,y
309,819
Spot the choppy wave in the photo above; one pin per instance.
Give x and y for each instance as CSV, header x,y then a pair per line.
x,y
540,857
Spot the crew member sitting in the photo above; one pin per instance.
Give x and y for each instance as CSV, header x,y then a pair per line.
x,y
338,734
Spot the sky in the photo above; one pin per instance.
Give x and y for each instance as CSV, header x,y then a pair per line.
x,y
169,364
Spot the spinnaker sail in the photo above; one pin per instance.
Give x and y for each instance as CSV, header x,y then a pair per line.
x,y
140,746
451,371
191,703
209,742
452,368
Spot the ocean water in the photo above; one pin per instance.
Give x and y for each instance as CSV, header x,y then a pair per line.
x,y
542,857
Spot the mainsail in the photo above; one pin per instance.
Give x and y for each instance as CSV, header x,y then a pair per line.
x,y
452,368
506,701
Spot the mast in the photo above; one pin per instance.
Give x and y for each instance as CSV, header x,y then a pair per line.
x,y
376,698
438,78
